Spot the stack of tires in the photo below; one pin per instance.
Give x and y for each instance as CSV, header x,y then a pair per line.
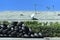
x,y
18,29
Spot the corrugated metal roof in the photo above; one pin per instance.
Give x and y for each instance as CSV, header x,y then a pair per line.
x,y
27,15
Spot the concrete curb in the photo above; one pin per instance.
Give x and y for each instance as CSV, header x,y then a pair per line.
x,y
46,38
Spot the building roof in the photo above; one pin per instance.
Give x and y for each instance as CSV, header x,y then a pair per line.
x,y
26,15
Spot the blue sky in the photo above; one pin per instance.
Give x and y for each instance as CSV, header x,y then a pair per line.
x,y
28,5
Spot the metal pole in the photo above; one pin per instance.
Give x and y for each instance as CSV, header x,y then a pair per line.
x,y
35,8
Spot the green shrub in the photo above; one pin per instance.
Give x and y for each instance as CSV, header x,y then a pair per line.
x,y
53,30
6,22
